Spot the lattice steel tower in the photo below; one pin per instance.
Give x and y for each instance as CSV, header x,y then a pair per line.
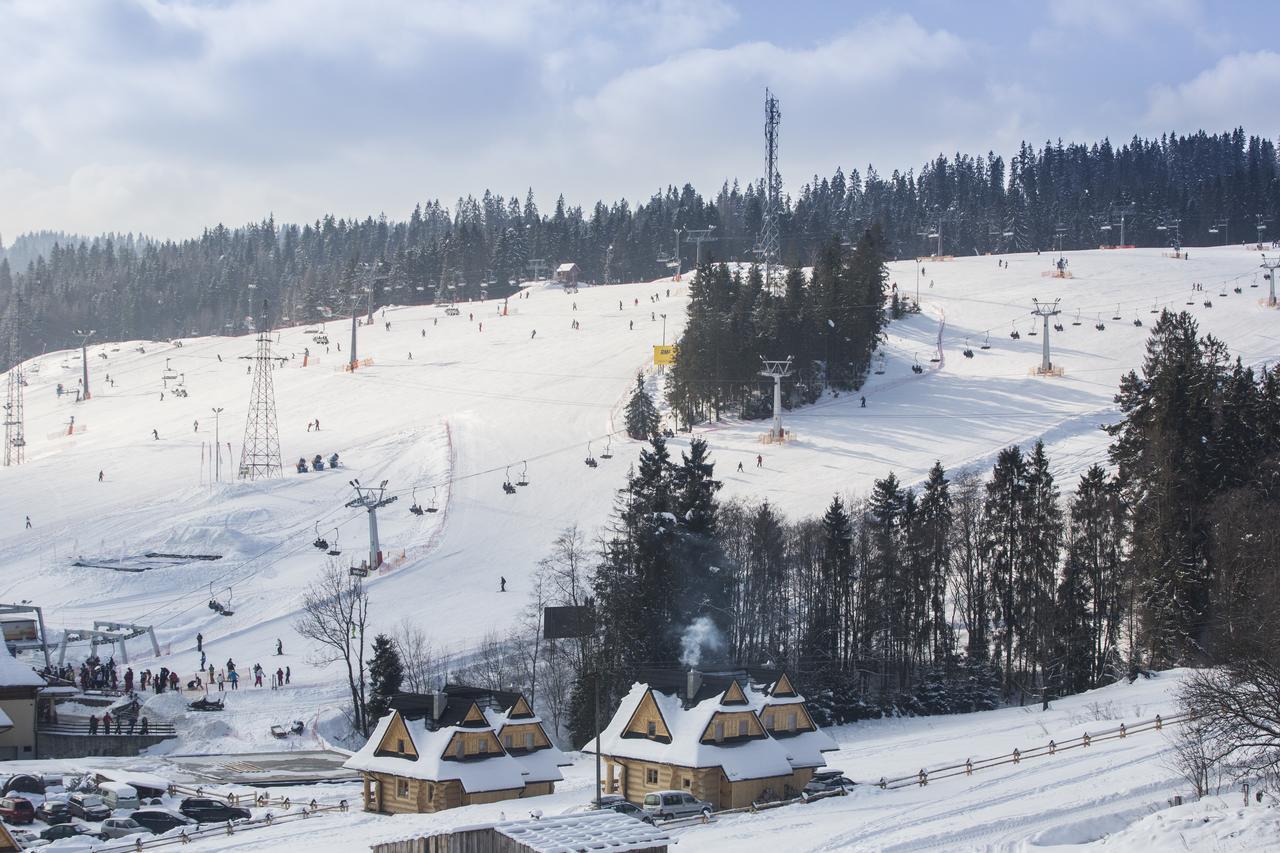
x,y
766,248
15,440
260,453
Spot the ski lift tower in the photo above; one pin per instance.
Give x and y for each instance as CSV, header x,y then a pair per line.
x,y
1116,217
371,499
1260,224
260,452
15,441
1045,311
1172,224
537,269
698,236
84,361
766,248
1271,265
1223,225
776,370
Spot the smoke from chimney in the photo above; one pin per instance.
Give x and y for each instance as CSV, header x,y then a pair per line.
x,y
700,638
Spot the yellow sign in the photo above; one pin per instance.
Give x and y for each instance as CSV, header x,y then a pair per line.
x,y
665,354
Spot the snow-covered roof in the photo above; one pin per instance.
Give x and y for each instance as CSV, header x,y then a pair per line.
x,y
604,830
540,765
14,673
497,772
567,267
757,758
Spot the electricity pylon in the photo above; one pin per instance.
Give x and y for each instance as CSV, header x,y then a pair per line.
x,y
260,453
766,248
15,440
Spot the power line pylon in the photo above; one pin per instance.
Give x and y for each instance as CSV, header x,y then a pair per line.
x,y
1045,311
260,453
766,248
15,441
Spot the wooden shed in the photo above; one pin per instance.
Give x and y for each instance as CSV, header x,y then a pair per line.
x,y
567,274
605,831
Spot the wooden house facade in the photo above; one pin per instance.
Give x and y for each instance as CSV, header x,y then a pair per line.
x,y
727,739
456,748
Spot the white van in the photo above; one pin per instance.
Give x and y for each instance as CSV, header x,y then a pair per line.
x,y
118,795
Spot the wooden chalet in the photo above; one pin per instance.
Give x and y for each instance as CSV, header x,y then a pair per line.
x,y
460,746
567,274
730,738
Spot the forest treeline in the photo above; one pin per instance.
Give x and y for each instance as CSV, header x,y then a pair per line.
x,y
129,286
967,590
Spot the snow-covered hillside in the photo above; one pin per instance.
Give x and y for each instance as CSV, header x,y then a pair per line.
x,y
451,404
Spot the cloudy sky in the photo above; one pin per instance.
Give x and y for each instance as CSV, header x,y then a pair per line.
x,y
162,116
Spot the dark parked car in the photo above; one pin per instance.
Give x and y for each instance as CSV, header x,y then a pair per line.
x,y
53,812
160,820
24,783
66,830
205,810
627,808
88,806
828,780
17,810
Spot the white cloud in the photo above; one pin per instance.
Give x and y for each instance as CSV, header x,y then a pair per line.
x,y
1238,91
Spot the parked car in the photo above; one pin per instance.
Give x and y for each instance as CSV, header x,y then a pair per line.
x,y
17,810
119,827
118,795
24,783
627,808
828,780
664,805
27,839
204,810
53,812
159,820
88,806
67,830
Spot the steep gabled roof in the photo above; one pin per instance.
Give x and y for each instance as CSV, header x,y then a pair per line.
x,y
495,772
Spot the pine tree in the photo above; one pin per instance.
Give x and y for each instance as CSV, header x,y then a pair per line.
x,y
642,415
386,674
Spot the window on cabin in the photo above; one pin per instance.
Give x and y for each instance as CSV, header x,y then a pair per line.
x,y
506,741
400,746
720,731
768,721
460,749
791,721
651,776
653,729
528,740
688,782
484,745
742,728
402,787
431,792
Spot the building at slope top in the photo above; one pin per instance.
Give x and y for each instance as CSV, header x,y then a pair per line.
x,y
460,746
19,685
730,738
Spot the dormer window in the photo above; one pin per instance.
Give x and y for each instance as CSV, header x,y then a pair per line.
x,y
791,721
528,740
653,729
460,749
400,746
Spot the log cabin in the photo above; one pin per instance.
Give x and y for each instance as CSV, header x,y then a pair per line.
x,y
460,746
729,738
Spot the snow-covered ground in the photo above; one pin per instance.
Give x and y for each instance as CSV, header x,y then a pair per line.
x,y
482,395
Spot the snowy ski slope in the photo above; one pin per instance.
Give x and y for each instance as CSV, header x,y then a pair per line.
x,y
472,401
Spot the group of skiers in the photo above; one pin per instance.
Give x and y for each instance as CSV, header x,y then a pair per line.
x,y
123,724
317,463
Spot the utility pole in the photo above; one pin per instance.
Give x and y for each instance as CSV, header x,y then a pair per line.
x,y
371,498
1045,311
1271,265
664,329
217,446
777,370
260,453
355,321
84,361
698,236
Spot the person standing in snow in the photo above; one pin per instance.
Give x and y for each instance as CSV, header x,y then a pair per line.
x,y
93,724
279,677
279,646
106,722
199,642
195,426
759,461
28,522
155,434
235,679
502,584
100,476
286,675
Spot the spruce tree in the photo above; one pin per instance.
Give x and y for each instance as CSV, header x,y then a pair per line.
x,y
386,674
642,415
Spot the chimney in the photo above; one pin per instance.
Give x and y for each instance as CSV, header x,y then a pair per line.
x,y
693,686
439,700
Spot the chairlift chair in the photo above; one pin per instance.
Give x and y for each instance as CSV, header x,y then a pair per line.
x,y
986,342
590,461
916,368
1076,321
1223,291
1100,326
321,543
1191,300
431,507
507,485
1237,289
414,507
334,550
1031,332
1015,334
360,571
1137,321
968,351
1155,308
1208,303
1116,316
524,474
608,449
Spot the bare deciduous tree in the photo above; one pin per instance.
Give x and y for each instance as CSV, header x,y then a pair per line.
x,y
1237,710
335,610
417,656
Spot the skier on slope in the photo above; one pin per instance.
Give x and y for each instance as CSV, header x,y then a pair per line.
x,y
155,434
